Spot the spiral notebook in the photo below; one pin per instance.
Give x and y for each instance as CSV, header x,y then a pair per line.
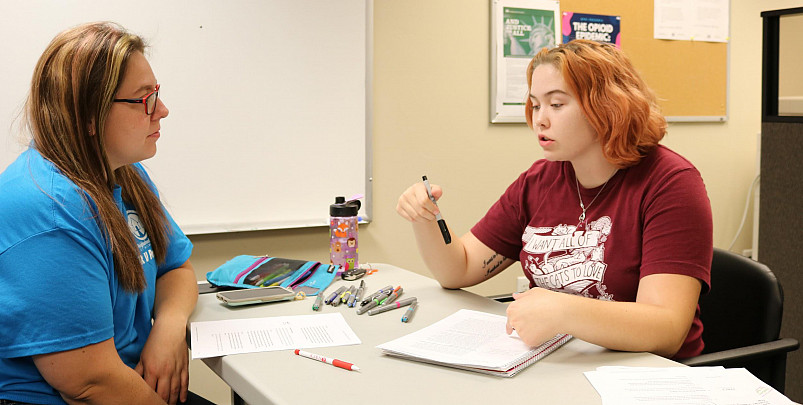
x,y
471,340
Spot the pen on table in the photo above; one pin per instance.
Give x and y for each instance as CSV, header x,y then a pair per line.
x,y
381,297
335,294
441,223
373,303
391,306
374,295
358,295
335,362
318,301
366,307
392,297
408,315
339,299
348,294
384,290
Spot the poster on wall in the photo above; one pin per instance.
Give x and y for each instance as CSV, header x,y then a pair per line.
x,y
595,27
519,29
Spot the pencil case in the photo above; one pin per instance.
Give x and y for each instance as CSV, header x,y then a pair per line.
x,y
246,271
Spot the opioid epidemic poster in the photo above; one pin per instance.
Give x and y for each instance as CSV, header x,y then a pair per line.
x,y
600,28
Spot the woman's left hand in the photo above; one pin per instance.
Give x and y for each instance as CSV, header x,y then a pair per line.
x,y
164,363
534,315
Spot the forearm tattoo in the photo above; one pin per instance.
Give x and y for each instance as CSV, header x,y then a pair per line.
x,y
492,264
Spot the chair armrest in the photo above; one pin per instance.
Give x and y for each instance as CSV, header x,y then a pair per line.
x,y
741,354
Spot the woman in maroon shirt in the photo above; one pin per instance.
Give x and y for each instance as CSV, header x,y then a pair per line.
x,y
613,230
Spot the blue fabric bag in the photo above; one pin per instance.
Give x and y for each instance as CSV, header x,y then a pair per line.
x,y
246,271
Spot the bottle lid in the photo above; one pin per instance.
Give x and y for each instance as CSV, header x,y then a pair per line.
x,y
343,208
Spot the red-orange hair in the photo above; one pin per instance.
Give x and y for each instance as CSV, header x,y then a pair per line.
x,y
615,100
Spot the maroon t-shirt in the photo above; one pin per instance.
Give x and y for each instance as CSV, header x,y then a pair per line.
x,y
651,218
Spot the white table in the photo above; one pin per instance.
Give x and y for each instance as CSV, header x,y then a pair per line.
x,y
281,377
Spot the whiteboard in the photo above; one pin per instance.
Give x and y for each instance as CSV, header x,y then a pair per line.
x,y
269,101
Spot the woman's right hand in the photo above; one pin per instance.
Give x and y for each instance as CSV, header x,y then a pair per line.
x,y
414,204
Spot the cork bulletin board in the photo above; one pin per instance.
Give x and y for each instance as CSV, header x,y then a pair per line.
x,y
690,78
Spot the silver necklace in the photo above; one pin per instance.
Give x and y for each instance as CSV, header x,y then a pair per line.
x,y
582,217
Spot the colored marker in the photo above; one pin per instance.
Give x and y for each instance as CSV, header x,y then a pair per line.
x,y
318,301
392,306
335,362
376,294
392,297
335,294
408,315
441,223
366,307
358,295
339,299
348,294
381,297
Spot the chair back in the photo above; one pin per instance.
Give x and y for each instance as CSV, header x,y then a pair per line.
x,y
743,307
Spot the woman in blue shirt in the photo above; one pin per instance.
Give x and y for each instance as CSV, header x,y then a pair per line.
x,y
97,283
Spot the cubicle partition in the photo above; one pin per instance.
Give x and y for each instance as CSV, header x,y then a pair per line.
x,y
781,196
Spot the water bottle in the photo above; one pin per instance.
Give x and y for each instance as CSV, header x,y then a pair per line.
x,y
343,233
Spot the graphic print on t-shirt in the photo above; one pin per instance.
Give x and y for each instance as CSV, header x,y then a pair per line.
x,y
141,235
567,258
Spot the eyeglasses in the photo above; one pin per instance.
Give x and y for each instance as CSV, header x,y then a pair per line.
x,y
149,100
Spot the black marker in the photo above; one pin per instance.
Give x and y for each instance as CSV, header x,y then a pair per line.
x,y
441,223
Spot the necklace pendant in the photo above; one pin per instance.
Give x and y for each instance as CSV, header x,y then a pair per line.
x,y
582,217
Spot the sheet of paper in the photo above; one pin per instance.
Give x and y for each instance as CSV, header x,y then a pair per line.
x,y
687,20
468,338
233,336
682,385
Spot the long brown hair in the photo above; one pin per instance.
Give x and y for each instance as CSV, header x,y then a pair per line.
x,y
72,90
616,101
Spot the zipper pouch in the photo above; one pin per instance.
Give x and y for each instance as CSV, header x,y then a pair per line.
x,y
246,271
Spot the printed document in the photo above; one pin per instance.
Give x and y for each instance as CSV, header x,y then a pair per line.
x,y
471,340
233,336
682,385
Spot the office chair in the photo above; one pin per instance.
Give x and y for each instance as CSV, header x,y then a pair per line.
x,y
741,317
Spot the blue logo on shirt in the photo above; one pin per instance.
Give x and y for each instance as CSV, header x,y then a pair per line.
x,y
135,224
139,232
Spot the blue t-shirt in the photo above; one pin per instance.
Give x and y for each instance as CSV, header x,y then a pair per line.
x,y
58,287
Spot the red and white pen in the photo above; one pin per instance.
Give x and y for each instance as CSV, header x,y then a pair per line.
x,y
334,362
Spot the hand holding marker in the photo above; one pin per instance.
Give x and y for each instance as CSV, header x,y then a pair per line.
x,y
441,223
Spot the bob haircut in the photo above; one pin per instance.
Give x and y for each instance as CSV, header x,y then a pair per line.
x,y
614,99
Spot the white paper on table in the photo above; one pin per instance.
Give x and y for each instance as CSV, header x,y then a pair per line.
x,y
682,385
233,336
471,339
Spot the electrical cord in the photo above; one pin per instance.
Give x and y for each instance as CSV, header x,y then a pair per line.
x,y
744,215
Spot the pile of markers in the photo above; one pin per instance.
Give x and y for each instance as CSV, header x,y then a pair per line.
x,y
385,299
